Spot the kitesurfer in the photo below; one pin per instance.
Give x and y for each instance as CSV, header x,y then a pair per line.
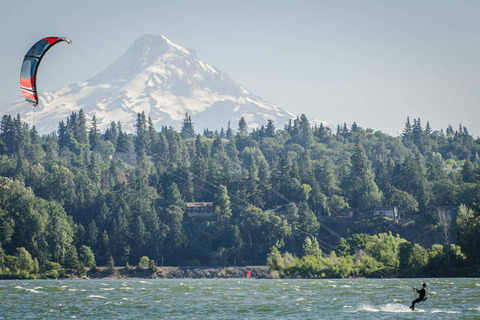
x,y
422,297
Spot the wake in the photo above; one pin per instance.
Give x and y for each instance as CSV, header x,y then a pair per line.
x,y
397,308
389,307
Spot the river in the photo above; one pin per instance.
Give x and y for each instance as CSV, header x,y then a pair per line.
x,y
237,299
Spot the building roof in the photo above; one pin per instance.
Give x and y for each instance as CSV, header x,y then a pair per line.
x,y
199,204
385,208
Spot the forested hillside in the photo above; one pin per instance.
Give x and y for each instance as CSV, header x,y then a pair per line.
x,y
298,197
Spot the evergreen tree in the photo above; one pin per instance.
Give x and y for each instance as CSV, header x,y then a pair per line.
x,y
187,127
242,126
363,191
141,139
229,133
417,134
25,261
71,259
304,131
80,128
173,196
222,203
62,134
270,130
124,142
322,132
174,145
252,186
92,234
468,172
104,250
93,134
428,129
153,138
450,132
111,265
175,238
140,235
111,134
161,150
410,176
86,257
407,131
232,154
35,151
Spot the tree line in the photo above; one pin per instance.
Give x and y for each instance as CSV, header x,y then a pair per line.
x,y
68,200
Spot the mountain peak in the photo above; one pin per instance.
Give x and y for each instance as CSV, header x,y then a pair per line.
x,y
153,46
152,40
144,52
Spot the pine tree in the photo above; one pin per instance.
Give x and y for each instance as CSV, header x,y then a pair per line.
x,y
407,131
71,259
417,134
242,126
222,203
305,134
111,134
345,130
363,191
35,151
270,130
81,131
187,127
87,257
252,186
153,138
141,139
428,129
93,134
450,132
410,176
111,265
468,172
160,149
229,133
124,142
174,145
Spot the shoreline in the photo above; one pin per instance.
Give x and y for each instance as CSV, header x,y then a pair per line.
x,y
179,272
183,272
170,272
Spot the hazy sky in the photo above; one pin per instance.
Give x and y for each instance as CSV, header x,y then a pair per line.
x,y
373,62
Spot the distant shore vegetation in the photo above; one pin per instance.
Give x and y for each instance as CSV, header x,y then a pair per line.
x,y
307,201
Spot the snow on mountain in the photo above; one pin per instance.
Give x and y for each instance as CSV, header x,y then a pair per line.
x,y
160,78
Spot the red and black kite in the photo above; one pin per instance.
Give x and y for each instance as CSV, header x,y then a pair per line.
x,y
28,73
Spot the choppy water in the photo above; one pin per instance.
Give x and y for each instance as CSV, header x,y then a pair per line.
x,y
237,299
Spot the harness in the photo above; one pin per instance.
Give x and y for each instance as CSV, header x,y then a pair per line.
x,y
425,297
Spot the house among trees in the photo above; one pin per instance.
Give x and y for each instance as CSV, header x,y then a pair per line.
x,y
448,211
200,209
127,157
391,212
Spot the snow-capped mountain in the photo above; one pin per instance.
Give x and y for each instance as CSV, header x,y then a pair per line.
x,y
164,80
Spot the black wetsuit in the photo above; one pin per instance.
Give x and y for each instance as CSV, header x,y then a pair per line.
x,y
423,293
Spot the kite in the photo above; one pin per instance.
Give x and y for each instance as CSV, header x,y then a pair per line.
x,y
28,73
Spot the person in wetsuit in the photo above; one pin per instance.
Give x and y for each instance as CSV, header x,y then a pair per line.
x,y
422,297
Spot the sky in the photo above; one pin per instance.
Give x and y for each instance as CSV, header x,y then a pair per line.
x,y
370,62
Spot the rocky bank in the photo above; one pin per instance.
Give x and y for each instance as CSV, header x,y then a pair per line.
x,y
262,272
